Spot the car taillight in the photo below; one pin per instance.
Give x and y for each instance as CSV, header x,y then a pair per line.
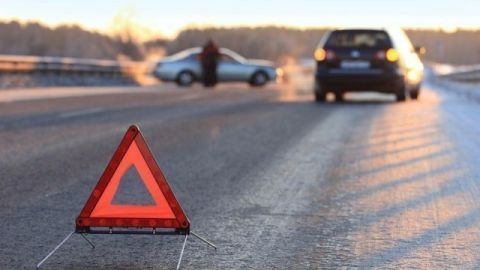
x,y
380,55
322,54
330,55
391,55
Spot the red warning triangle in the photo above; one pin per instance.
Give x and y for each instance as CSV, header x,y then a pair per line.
x,y
99,211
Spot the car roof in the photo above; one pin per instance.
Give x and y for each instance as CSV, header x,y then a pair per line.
x,y
359,29
199,49
195,50
367,28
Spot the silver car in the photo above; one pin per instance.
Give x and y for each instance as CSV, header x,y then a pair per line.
x,y
184,68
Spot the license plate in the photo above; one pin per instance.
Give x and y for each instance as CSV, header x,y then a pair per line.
x,y
355,64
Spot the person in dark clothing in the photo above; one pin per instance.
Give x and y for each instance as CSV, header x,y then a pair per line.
x,y
209,60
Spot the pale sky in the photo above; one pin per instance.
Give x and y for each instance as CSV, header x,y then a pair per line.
x,y
168,17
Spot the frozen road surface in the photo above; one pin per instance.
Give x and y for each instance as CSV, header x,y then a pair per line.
x,y
275,180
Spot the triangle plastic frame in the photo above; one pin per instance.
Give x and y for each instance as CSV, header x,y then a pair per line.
x,y
85,220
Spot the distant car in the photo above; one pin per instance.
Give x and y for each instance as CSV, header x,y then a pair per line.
x,y
380,60
184,68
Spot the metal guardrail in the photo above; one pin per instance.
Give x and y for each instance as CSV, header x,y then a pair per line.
x,y
461,73
38,64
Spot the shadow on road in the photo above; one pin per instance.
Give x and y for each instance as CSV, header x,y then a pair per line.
x,y
396,197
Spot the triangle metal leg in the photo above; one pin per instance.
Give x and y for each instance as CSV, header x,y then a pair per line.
x,y
93,246
55,249
86,239
181,253
204,240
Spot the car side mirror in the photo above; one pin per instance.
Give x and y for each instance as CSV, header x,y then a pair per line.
x,y
420,50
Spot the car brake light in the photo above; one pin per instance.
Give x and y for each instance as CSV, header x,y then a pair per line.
x,y
320,54
391,55
330,55
380,55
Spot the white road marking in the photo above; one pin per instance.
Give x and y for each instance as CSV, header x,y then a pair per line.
x,y
81,112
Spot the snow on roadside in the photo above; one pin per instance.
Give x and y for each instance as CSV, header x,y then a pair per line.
x,y
433,73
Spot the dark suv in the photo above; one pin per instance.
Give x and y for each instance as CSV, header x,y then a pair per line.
x,y
380,60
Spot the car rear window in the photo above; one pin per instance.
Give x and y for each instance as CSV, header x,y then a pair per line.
x,y
358,38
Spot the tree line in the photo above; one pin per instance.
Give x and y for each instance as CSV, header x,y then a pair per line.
x,y
461,47
64,41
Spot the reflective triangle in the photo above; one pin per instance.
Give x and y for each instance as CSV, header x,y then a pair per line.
x,y
100,211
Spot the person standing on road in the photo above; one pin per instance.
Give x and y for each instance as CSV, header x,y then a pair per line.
x,y
209,60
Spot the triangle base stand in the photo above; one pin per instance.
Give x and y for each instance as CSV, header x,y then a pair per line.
x,y
82,233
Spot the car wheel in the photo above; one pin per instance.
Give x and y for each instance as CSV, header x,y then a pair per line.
x,y
401,94
339,97
259,78
414,93
185,78
320,94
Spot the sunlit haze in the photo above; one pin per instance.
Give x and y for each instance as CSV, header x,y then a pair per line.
x,y
168,17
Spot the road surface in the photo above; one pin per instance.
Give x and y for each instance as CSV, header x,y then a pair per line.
x,y
275,180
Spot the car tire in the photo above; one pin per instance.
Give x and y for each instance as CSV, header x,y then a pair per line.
x,y
259,78
320,93
415,93
401,94
185,78
339,97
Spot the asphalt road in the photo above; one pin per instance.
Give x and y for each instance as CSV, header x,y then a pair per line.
x,y
275,180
